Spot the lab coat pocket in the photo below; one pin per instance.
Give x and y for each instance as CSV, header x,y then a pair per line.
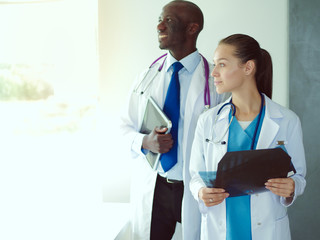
x,y
282,146
282,228
202,207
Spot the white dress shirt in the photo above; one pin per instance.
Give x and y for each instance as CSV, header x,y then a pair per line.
x,y
189,63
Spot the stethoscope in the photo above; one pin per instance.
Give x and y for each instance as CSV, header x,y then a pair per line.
x,y
233,108
207,100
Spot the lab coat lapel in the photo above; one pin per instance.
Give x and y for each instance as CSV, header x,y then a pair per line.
x,y
157,94
195,90
220,126
269,128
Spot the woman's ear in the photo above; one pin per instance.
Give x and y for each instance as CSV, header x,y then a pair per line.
x,y
250,67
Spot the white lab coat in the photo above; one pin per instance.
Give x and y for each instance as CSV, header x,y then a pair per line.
x,y
144,178
269,219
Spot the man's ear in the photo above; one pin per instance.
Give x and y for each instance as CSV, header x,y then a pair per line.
x,y
250,67
193,28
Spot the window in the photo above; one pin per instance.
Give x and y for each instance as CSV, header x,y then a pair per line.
x,y
48,65
48,95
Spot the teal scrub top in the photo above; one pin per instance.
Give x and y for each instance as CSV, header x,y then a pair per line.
x,y
238,208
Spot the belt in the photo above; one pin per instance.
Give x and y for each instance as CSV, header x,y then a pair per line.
x,y
171,181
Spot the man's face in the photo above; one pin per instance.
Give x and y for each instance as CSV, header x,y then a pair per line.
x,y
172,28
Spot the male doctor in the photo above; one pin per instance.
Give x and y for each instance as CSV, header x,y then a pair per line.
x,y
159,199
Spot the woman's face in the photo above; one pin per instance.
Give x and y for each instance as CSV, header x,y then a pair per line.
x,y
228,71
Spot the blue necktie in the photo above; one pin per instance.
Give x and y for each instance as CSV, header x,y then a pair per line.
x,y
172,110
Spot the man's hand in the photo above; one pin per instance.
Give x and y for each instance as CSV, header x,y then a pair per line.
x,y
157,141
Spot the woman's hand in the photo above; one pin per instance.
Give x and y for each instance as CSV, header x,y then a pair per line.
x,y
212,196
283,187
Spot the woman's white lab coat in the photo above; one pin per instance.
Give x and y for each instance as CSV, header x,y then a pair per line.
x,y
144,178
269,219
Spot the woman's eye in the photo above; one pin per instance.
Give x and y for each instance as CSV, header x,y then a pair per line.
x,y
219,65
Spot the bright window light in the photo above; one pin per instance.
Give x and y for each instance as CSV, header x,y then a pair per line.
x,y
48,64
49,165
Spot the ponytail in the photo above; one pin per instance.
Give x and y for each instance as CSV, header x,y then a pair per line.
x,y
264,73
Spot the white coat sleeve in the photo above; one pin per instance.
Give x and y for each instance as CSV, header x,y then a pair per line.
x,y
296,151
197,160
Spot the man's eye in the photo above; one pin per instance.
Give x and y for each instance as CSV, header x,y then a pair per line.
x,y
169,19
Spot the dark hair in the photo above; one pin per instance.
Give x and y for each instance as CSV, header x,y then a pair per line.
x,y
194,12
247,48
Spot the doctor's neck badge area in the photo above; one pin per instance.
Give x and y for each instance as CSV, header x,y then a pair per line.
x,y
140,89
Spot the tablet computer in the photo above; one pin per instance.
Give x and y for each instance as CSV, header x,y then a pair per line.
x,y
154,117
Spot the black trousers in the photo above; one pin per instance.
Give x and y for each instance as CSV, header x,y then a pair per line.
x,y
166,210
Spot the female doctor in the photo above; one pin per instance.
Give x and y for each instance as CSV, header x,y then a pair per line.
x,y
248,120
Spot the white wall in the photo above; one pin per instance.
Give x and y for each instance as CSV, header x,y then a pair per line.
x,y
128,44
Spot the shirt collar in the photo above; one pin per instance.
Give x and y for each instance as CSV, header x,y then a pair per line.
x,y
189,62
